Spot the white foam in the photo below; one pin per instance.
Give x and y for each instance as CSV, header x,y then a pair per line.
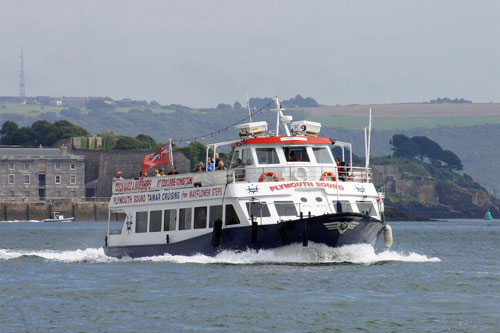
x,y
87,255
291,254
18,221
297,254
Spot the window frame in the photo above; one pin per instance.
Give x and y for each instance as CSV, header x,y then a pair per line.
x,y
13,176
12,166
272,149
29,179
72,179
57,165
182,218
139,227
57,179
195,214
169,219
158,226
314,149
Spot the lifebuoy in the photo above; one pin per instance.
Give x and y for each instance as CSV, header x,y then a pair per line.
x,y
300,174
328,174
269,174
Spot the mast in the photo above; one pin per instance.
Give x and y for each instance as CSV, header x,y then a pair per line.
x,y
281,117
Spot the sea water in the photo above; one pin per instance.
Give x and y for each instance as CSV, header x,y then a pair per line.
x,y
438,276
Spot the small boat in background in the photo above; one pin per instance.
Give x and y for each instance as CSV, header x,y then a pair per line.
x,y
59,218
488,216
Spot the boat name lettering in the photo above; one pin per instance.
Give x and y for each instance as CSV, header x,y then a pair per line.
x,y
133,185
139,198
174,182
304,184
122,200
214,192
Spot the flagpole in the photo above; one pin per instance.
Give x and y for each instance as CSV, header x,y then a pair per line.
x,y
171,152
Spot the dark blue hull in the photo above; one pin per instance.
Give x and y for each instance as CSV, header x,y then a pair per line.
x,y
333,230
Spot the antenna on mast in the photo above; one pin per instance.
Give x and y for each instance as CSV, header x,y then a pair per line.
x,y
22,92
248,106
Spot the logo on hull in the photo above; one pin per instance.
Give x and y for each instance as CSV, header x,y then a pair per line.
x,y
341,226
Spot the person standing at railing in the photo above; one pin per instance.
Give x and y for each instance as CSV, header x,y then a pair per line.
x,y
118,176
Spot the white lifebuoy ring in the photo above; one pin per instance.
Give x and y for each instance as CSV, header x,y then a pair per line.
x,y
300,174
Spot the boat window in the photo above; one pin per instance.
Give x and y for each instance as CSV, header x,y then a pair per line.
x,y
236,155
366,207
296,154
215,214
185,218
285,208
267,156
258,209
346,206
322,155
231,216
200,217
155,220
141,222
170,219
246,157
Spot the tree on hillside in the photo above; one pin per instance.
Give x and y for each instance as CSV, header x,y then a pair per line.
x,y
67,129
129,143
9,132
195,152
428,148
452,160
149,142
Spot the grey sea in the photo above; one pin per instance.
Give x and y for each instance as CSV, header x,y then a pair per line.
x,y
439,276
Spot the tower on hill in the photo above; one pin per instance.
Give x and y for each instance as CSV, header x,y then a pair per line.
x,y
22,92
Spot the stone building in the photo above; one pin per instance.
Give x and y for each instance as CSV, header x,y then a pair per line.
x,y
41,173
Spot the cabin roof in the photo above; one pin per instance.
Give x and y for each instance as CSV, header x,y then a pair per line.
x,y
284,139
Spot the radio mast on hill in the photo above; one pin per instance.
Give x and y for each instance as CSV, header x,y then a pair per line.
x,y
22,92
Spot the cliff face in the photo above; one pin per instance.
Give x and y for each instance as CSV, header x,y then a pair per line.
x,y
420,189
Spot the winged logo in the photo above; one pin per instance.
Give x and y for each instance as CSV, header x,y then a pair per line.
x,y
341,226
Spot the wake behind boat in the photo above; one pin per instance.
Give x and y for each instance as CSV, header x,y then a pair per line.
x,y
280,190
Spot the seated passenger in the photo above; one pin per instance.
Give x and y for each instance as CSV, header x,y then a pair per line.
x,y
220,166
210,166
239,174
162,172
198,167
293,157
156,172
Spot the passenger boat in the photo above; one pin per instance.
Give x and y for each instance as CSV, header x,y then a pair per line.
x,y
280,190
58,217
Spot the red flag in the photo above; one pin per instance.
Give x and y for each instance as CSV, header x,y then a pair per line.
x,y
159,158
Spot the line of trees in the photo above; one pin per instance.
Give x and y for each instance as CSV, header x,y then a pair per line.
x,y
425,148
41,132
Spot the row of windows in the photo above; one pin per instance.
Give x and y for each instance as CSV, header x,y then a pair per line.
x,y
27,178
292,154
197,217
167,219
57,166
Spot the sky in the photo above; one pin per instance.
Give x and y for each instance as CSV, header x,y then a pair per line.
x,y
201,53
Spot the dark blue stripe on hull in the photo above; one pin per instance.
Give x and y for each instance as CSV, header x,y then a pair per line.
x,y
333,230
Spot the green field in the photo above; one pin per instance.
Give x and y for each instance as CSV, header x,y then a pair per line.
x,y
402,123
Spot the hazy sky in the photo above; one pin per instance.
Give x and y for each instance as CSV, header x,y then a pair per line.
x,y
200,53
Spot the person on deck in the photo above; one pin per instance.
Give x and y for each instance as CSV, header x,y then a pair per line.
x,y
220,166
173,171
118,176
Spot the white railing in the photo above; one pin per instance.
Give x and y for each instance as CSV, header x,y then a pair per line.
x,y
300,173
246,174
